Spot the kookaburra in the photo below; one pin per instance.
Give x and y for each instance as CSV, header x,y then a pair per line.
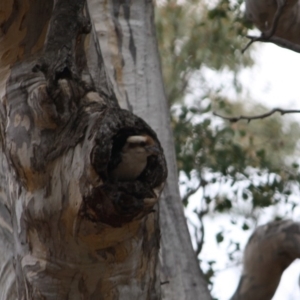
x,y
133,157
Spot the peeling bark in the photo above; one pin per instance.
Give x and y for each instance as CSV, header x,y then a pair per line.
x,y
270,250
69,231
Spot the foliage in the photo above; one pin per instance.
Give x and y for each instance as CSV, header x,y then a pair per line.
x,y
236,168
253,155
192,36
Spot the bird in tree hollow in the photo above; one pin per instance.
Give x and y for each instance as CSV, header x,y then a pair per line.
x,y
133,157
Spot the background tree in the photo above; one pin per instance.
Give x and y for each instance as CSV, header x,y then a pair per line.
x,y
255,160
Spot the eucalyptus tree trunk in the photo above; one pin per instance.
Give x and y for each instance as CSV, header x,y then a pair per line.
x,y
67,230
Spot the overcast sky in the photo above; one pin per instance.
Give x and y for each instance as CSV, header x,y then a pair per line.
x,y
274,82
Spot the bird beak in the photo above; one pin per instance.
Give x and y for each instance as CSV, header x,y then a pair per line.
x,y
153,149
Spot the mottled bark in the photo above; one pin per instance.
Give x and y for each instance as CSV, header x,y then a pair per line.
x,y
72,231
270,250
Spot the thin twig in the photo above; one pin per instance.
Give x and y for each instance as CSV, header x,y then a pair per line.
x,y
252,40
266,36
262,116
200,242
190,193
202,183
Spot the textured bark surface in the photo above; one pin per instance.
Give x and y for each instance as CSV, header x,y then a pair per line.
x,y
262,12
270,250
127,39
69,231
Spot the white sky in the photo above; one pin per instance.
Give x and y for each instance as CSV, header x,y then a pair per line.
x,y
274,82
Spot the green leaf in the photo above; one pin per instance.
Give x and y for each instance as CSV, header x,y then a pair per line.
x,y
245,196
219,237
245,226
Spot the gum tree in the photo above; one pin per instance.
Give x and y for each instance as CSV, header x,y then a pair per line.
x,y
274,246
78,78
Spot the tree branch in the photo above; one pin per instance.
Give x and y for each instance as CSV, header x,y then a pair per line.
x,y
275,40
270,250
266,36
262,116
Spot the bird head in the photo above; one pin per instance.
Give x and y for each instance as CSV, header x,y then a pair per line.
x,y
133,157
141,144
